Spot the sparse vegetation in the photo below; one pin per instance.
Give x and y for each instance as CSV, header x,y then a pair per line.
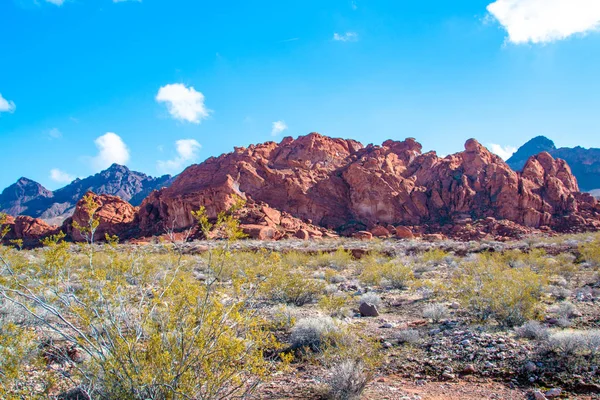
x,y
121,328
436,312
347,380
493,289
533,330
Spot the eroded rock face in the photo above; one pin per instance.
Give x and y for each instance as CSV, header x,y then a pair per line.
x,y
314,185
27,197
30,230
116,216
341,185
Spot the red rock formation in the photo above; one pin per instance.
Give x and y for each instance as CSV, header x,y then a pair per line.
x,y
307,187
116,216
339,184
30,230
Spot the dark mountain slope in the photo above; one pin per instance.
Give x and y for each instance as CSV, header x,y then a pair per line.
x,y
27,197
584,163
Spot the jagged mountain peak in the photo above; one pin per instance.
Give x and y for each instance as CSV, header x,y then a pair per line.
x,y
27,197
584,163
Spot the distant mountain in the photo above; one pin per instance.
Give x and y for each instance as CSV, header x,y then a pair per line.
x,y
585,163
24,195
27,197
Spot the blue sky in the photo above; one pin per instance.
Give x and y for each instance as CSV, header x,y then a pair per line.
x,y
160,84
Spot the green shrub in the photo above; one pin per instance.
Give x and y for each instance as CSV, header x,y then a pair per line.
x,y
397,275
492,289
291,287
335,304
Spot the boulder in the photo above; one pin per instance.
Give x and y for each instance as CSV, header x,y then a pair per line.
x,y
260,232
403,232
368,310
115,216
363,235
380,232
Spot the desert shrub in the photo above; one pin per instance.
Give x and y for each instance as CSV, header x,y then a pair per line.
x,y
347,380
291,287
145,326
572,343
369,268
295,259
313,333
332,276
338,260
559,292
283,317
408,336
564,309
492,289
335,304
561,265
431,288
370,298
590,252
397,275
436,312
371,275
17,349
533,330
436,256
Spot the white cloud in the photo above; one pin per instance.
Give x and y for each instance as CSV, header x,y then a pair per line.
x,y
505,152
55,133
187,153
7,105
544,21
278,127
111,150
345,37
60,176
56,2
183,103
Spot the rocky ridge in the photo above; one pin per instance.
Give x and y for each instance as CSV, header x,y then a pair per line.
x,y
29,198
584,163
318,186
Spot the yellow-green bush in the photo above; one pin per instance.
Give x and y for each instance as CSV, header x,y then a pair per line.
x,y
146,327
291,287
339,259
335,304
434,256
492,289
590,252
396,274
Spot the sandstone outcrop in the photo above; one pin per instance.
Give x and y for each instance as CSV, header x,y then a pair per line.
x,y
315,186
28,229
116,217
343,186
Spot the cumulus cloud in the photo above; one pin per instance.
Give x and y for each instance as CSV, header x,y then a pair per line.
x,y
187,153
60,176
55,133
505,152
544,21
183,103
345,37
7,105
111,149
278,127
